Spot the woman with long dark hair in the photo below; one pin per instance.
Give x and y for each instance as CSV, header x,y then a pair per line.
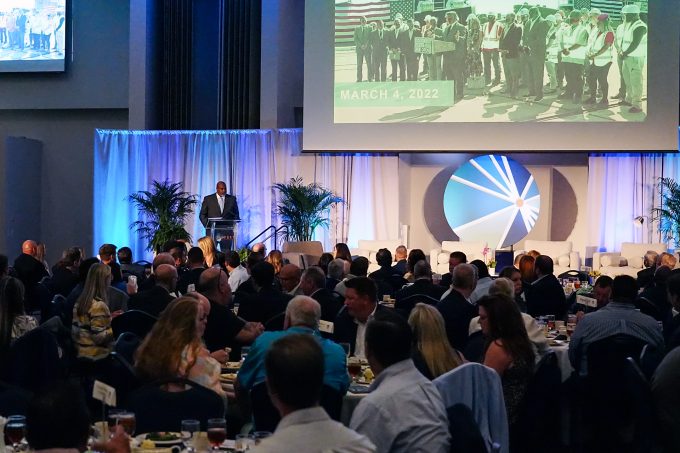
x,y
14,322
508,349
515,276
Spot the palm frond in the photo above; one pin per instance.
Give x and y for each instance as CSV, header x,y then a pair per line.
x,y
667,214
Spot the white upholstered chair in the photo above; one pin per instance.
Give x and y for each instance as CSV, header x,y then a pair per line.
x,y
439,258
368,249
629,261
563,256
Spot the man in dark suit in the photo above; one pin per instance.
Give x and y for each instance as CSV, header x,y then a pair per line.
x,y
379,41
646,275
29,270
422,286
219,204
545,296
401,267
455,258
360,306
412,58
266,303
313,284
535,39
456,308
361,42
397,42
154,300
454,61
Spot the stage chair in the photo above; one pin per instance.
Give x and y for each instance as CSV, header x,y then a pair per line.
x,y
369,248
439,258
563,256
629,261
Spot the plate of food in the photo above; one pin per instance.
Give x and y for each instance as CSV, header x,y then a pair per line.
x,y
159,439
228,376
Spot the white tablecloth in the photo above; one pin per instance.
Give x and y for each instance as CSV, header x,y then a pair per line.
x,y
562,353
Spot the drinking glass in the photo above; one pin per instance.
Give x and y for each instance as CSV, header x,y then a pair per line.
x,y
217,432
260,436
15,430
551,322
244,442
189,428
112,419
354,367
128,421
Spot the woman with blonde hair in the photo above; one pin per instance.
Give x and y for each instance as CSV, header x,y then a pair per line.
x,y
207,245
173,348
91,331
275,258
432,353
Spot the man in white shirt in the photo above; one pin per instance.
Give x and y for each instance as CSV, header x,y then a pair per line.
x,y
404,411
237,273
295,370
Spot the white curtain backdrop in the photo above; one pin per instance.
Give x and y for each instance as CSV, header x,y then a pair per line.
x,y
622,187
250,162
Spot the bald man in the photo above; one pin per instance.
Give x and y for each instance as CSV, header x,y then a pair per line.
x,y
289,276
224,328
154,300
28,268
161,258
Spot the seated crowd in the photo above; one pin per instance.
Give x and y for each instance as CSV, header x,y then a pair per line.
x,y
200,307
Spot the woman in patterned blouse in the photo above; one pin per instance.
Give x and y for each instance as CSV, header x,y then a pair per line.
x,y
174,348
14,322
91,330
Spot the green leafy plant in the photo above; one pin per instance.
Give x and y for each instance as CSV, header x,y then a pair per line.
x,y
668,211
163,210
304,207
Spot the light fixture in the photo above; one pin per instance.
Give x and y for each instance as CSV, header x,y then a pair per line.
x,y
639,221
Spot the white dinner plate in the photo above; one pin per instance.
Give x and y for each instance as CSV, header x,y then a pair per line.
x,y
161,443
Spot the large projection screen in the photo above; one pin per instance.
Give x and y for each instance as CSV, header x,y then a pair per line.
x,y
427,112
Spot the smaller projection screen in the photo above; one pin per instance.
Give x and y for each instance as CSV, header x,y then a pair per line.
x,y
488,75
32,35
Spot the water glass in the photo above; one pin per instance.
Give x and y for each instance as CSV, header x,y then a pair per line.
x,y
15,430
128,421
189,429
244,442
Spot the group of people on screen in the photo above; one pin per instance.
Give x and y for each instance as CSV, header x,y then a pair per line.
x,y
576,49
22,29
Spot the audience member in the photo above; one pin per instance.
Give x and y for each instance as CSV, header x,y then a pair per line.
x,y
360,306
335,274
302,317
384,259
602,293
508,349
617,317
27,267
313,284
672,327
275,258
324,260
207,245
483,281
455,258
666,397
237,273
92,334
405,297
65,272
107,255
294,366
432,353
545,295
267,302
646,275
526,268
173,348
342,251
358,268
653,300
249,286
154,300
223,328
401,265
127,267
195,267
414,256
290,279
404,411
513,274
456,307
259,249
178,251
14,322
667,260
161,258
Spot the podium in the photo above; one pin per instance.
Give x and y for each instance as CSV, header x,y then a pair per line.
x,y
223,232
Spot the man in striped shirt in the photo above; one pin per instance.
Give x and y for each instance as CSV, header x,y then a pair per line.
x,y
618,317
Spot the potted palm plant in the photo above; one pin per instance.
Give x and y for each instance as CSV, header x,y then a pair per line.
x,y
163,212
304,207
668,211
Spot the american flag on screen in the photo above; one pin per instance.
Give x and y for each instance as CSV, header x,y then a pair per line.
x,y
347,17
611,7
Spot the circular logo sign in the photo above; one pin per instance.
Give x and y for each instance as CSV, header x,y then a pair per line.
x,y
492,199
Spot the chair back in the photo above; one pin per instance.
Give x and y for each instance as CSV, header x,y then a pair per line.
x,y
157,409
34,361
479,388
275,322
126,345
642,413
465,434
13,400
135,321
60,309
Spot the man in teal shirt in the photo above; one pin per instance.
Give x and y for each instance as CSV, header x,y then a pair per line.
x,y
302,317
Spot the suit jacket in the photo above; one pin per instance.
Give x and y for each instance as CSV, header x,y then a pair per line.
x,y
211,208
510,41
379,45
330,305
546,297
362,35
535,37
262,306
645,277
457,313
449,34
397,42
421,286
409,46
152,301
29,270
345,329
400,268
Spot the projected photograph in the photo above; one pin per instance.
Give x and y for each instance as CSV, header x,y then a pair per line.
x,y
408,61
32,35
